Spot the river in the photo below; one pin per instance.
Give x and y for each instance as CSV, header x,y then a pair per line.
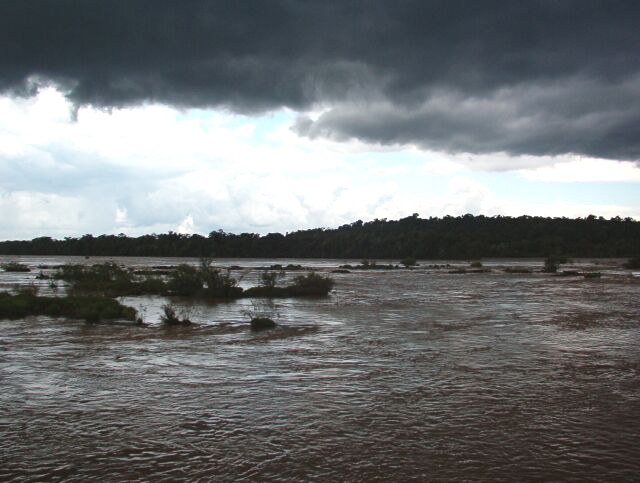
x,y
397,375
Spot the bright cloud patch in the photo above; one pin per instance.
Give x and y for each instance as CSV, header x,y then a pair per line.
x,y
154,168
585,170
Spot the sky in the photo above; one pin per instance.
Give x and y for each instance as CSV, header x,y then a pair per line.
x,y
191,116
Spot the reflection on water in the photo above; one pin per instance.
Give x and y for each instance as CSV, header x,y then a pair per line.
x,y
398,375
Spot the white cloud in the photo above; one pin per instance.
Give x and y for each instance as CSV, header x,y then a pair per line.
x,y
464,195
24,213
585,170
154,169
121,216
186,227
559,208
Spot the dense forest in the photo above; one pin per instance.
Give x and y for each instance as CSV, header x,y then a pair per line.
x,y
464,237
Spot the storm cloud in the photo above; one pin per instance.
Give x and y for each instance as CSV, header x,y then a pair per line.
x,y
533,78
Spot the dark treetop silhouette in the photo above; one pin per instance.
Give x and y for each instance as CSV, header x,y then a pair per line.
x,y
462,237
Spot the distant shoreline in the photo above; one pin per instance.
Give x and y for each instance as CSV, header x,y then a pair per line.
x,y
465,237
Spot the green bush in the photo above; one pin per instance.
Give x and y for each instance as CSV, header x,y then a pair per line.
x,y
14,267
262,323
170,317
203,281
185,280
553,262
220,285
270,279
409,262
261,314
312,284
103,277
110,279
91,309
517,270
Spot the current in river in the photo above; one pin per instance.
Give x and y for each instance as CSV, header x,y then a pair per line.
x,y
397,375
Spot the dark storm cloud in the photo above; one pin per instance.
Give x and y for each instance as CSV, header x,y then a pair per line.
x,y
578,116
535,77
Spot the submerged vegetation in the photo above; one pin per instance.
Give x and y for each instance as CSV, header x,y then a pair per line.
x,y
592,274
14,267
517,270
203,282
553,262
88,291
90,309
409,262
108,279
370,265
311,284
261,315
633,263
170,316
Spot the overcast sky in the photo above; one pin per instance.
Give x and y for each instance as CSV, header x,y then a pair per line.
x,y
148,116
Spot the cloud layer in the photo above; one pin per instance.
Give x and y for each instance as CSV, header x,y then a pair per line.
x,y
155,168
524,78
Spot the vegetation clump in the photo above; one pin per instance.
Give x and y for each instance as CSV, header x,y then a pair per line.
x,y
476,264
14,267
185,280
90,309
592,274
553,262
279,267
203,281
270,279
261,315
312,284
108,279
409,262
220,285
261,323
369,265
632,263
517,270
303,285
170,317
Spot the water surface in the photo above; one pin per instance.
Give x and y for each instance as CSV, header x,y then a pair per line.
x,y
397,375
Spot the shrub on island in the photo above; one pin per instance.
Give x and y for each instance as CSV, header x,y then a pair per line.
x,y
14,267
262,323
553,262
409,262
170,317
517,270
632,263
108,279
90,309
303,285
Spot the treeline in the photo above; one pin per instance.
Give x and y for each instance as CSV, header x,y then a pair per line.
x,y
464,237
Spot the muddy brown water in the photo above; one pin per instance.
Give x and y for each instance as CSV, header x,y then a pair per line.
x,y
397,375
